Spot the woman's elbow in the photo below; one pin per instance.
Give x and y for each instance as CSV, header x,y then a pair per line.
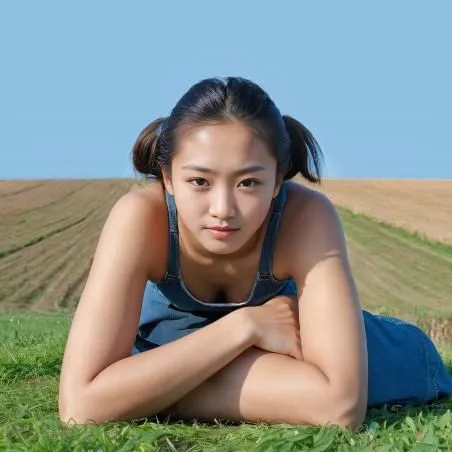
x,y
71,409
348,411
71,419
69,414
76,416
349,421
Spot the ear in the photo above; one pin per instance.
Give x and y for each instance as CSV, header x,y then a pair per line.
x,y
167,181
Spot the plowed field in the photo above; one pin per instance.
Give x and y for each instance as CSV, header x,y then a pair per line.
x,y
49,231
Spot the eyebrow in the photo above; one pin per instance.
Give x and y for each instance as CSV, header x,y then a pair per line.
x,y
248,169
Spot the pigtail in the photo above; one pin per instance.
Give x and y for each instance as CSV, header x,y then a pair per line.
x,y
146,150
305,152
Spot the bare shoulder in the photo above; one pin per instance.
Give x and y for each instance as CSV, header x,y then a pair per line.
x,y
307,206
140,216
150,196
310,223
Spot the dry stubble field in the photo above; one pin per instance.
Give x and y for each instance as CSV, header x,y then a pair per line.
x,y
49,231
420,206
48,235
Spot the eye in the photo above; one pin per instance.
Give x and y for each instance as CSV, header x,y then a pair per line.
x,y
250,183
198,182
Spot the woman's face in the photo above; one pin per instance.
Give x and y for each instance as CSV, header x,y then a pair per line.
x,y
222,175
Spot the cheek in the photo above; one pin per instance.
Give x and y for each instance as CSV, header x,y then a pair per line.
x,y
256,213
184,194
189,206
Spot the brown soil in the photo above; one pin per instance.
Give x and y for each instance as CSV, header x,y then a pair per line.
x,y
422,206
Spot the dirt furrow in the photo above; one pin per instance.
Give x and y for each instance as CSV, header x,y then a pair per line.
x,y
39,226
13,230
37,196
71,246
21,285
34,255
421,206
21,211
34,240
82,256
33,289
37,258
73,290
57,244
8,188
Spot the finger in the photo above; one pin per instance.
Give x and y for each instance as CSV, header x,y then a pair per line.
x,y
297,354
299,348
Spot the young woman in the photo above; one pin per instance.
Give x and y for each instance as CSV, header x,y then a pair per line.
x,y
223,289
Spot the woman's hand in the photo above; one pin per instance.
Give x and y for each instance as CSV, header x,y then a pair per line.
x,y
277,326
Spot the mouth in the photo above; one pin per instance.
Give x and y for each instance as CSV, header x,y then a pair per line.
x,y
222,232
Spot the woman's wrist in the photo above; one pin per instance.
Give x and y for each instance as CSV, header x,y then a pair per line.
x,y
243,323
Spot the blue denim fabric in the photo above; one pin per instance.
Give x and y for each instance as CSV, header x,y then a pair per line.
x,y
404,364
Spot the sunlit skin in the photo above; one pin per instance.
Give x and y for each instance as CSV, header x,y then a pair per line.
x,y
221,175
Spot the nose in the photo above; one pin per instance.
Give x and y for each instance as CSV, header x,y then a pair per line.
x,y
222,204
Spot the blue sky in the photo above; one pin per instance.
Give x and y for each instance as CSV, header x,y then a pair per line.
x,y
80,80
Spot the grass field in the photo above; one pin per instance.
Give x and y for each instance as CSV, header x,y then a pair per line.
x,y
31,347
48,234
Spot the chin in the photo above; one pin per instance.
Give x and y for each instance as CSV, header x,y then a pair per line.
x,y
220,248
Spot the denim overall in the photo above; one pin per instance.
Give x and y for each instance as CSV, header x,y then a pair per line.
x,y
404,365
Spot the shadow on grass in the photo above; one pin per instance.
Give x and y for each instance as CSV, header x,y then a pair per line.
x,y
390,416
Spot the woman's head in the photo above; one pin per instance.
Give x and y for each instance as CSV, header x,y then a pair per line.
x,y
226,100
223,152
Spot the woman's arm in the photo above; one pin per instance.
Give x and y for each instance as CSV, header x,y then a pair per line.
x,y
331,321
100,381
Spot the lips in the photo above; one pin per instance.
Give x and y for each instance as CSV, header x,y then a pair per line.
x,y
222,232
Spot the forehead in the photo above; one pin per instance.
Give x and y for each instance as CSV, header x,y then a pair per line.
x,y
223,145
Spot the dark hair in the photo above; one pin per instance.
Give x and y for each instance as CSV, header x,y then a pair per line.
x,y
217,100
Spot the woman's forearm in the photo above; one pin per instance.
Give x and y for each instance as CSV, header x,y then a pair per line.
x,y
144,384
269,387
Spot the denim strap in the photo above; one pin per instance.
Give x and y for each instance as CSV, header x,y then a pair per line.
x,y
172,269
265,264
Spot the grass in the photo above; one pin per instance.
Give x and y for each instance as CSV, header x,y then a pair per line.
x,y
398,273
31,349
